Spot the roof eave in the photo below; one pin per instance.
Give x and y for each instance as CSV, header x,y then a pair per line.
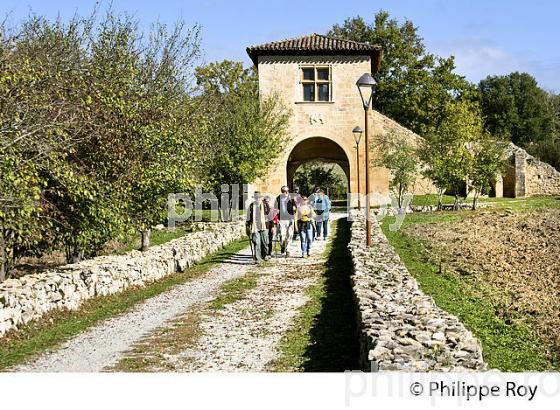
x,y
376,54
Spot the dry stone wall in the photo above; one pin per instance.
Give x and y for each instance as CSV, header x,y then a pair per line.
x,y
28,298
533,177
401,328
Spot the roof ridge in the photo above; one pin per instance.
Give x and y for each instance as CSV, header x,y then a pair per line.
x,y
296,38
315,43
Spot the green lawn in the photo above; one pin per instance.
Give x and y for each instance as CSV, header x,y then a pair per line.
x,y
507,346
516,204
58,326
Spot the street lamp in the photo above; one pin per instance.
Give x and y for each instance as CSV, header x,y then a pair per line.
x,y
366,83
357,131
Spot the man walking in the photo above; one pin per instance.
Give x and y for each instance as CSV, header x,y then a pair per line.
x,y
322,207
257,227
285,209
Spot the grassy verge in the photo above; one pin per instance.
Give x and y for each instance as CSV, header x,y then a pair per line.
x,y
57,326
513,204
234,290
507,346
323,336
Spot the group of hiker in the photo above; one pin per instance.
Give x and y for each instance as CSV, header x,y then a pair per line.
x,y
291,216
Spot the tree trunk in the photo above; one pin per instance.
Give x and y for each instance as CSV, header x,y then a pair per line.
x,y
146,233
440,200
475,199
74,254
3,262
456,203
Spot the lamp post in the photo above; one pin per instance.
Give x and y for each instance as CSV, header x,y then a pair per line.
x,y
366,83
357,131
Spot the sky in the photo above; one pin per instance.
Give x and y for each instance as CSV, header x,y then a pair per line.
x,y
487,37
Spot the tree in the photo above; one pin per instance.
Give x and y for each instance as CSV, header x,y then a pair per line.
x,y
96,128
399,157
243,134
488,163
447,149
414,86
514,107
319,174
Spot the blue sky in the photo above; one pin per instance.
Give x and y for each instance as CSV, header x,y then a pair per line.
x,y
485,36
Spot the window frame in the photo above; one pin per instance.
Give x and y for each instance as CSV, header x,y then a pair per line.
x,y
316,82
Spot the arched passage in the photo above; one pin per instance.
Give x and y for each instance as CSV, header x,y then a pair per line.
x,y
316,149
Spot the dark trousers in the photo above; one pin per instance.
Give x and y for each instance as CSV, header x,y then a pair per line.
x,y
322,226
270,241
260,244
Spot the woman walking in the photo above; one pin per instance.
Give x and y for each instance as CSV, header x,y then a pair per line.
x,y
305,221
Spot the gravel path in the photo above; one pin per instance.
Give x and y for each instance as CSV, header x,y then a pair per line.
x,y
103,345
242,336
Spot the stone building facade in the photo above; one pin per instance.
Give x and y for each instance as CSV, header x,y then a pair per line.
x,y
315,77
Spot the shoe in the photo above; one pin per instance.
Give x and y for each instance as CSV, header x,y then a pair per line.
x,y
287,254
267,257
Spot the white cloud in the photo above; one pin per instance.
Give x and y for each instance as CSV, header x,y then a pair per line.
x,y
477,58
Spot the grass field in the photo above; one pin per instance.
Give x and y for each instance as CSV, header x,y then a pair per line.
x,y
508,346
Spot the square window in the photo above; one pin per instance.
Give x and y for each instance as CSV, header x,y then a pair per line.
x,y
309,92
309,74
323,74
316,83
323,92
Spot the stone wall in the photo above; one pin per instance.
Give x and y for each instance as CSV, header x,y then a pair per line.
x,y
333,120
527,176
28,298
400,327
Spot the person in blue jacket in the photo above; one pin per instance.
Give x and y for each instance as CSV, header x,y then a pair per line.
x,y
322,206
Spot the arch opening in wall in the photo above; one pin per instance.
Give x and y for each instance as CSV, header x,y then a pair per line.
x,y
318,152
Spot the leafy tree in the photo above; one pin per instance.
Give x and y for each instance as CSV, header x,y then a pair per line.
x,y
96,127
244,135
488,162
414,86
515,108
399,157
447,149
319,174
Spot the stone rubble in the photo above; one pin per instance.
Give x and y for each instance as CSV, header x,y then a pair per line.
x,y
31,296
400,327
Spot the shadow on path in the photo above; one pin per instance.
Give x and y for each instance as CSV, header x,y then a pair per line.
x,y
334,343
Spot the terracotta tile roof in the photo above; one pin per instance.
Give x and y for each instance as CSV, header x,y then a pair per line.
x,y
314,44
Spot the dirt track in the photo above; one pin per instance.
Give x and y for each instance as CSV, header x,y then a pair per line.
x,y
514,260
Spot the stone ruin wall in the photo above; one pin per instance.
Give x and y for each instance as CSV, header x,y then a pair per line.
x,y
541,178
388,126
524,175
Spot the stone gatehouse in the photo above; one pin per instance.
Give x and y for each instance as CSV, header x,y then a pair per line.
x,y
315,76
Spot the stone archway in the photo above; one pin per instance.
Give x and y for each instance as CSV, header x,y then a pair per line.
x,y
316,149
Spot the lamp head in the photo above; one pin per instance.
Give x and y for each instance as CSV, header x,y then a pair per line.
x,y
366,83
357,131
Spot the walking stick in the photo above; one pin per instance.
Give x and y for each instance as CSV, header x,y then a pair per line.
x,y
249,234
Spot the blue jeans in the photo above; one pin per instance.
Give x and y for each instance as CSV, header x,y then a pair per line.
x,y
306,238
322,226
